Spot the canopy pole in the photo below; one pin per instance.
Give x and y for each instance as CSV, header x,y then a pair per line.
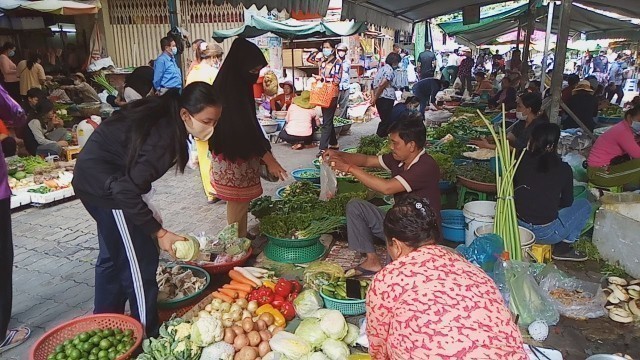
x,y
531,19
559,63
547,39
173,23
519,34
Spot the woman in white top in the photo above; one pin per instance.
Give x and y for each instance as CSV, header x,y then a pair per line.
x,y
209,57
9,71
301,118
138,84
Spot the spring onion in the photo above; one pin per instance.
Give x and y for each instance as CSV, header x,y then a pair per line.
x,y
102,81
506,222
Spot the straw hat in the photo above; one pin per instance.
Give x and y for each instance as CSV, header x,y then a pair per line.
x,y
583,85
303,100
80,76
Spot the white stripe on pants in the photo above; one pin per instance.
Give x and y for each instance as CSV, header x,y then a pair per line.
x,y
133,266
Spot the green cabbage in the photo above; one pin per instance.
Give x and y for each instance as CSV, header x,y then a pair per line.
x,y
307,303
334,325
309,329
335,349
289,345
353,333
187,250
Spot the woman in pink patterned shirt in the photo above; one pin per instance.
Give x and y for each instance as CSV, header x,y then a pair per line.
x,y
430,303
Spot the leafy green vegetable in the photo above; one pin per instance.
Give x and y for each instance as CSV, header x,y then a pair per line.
x,y
309,330
447,169
187,250
370,145
301,188
476,171
338,121
454,149
612,111
261,207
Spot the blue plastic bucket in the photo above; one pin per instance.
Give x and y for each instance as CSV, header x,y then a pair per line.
x,y
453,225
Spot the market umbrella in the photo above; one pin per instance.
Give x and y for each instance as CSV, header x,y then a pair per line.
x,y
290,29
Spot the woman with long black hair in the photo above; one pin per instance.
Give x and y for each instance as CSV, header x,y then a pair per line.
x,y
544,195
239,146
130,150
31,74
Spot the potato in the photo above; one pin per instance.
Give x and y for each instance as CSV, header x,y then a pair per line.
x,y
243,303
229,336
247,325
271,328
264,348
261,325
237,329
267,318
241,342
277,330
247,353
265,335
254,338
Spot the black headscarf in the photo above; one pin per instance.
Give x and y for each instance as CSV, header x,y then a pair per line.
x,y
238,134
140,80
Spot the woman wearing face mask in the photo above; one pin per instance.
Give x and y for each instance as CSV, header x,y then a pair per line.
x,y
544,195
615,157
529,116
384,94
206,71
130,150
431,303
81,90
9,71
330,72
239,146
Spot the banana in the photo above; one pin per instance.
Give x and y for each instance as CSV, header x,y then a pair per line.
x,y
609,307
634,282
634,307
620,315
612,298
633,287
614,280
619,292
634,294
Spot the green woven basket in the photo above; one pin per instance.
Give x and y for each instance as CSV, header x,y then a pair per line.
x,y
293,243
294,255
176,303
349,307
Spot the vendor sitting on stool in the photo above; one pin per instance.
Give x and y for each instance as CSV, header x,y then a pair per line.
x,y
414,172
615,157
283,101
300,120
81,90
543,195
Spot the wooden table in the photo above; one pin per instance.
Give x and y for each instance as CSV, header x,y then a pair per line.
x,y
70,151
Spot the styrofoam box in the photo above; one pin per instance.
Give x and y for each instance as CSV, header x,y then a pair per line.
x,y
20,199
52,196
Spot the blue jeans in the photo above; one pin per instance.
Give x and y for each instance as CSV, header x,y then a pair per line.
x,y
567,227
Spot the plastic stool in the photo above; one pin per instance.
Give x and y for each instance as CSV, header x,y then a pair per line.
x,y
542,253
612,189
463,191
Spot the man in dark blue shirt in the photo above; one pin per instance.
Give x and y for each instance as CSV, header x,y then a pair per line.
x,y
426,62
427,89
166,74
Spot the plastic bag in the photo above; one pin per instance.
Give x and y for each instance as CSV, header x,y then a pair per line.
x,y
575,160
193,154
572,297
328,182
147,198
483,251
525,298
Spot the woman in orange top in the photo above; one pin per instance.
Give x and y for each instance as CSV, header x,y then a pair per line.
x,y
283,101
431,303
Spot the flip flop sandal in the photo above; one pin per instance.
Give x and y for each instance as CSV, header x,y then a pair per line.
x,y
364,272
7,343
334,147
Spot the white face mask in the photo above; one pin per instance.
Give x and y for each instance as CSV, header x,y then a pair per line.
x,y
520,115
174,50
636,126
199,130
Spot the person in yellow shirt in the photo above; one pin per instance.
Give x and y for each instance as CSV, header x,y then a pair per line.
x,y
31,74
210,56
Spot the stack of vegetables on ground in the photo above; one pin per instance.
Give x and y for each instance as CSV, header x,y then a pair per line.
x,y
95,344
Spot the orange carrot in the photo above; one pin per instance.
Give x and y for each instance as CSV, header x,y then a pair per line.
x,y
243,294
231,293
222,297
239,287
234,275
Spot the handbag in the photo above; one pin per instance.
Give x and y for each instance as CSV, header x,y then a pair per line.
x,y
321,94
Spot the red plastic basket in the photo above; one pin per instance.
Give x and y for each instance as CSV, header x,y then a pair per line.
x,y
224,268
56,336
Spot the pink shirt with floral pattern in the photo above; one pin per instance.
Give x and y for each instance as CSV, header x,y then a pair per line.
x,y
433,304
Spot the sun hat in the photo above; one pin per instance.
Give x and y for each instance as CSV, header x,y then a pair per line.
x,y
80,76
583,85
282,84
303,99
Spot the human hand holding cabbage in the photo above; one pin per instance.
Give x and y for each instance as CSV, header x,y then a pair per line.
x,y
167,239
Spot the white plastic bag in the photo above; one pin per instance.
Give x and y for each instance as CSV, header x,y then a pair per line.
x,y
193,154
328,182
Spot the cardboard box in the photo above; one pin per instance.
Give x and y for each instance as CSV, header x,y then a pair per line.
x,y
289,59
